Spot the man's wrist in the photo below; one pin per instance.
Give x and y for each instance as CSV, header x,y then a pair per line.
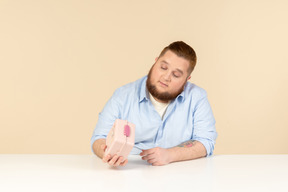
x,y
171,155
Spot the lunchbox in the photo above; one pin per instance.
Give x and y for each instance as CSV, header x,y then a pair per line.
x,y
120,139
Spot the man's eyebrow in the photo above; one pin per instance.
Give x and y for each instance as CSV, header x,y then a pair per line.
x,y
180,71
163,61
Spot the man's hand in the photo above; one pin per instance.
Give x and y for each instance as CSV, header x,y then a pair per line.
x,y
113,161
156,156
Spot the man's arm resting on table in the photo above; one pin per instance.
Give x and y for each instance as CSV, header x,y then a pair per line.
x,y
99,147
186,151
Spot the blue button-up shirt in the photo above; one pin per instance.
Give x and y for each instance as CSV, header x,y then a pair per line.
x,y
188,117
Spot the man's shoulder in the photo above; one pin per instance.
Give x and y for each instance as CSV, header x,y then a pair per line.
x,y
194,90
130,88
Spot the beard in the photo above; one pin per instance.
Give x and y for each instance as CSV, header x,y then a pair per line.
x,y
165,96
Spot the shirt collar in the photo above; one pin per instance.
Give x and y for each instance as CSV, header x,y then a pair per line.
x,y
143,91
144,95
180,97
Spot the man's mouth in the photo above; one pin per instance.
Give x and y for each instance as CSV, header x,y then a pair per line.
x,y
163,84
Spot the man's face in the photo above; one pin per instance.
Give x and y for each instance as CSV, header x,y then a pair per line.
x,y
167,77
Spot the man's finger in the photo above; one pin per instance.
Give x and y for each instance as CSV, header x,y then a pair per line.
x,y
152,161
119,161
148,157
157,164
106,158
124,163
144,152
113,160
147,152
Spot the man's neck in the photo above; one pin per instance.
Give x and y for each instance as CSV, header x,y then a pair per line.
x,y
158,100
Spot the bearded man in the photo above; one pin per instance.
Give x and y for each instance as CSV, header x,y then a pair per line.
x,y
173,118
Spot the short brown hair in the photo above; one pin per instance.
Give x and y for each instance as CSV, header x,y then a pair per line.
x,y
181,49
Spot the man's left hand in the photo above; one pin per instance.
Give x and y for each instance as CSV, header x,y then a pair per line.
x,y
156,156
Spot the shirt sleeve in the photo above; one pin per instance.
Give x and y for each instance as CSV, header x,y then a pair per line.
x,y
204,125
106,118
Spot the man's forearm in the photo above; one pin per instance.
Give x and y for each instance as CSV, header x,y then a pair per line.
x,y
97,147
187,151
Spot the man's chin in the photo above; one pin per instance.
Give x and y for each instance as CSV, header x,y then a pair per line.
x,y
163,96
160,92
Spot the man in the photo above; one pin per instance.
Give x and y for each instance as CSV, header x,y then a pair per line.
x,y
173,118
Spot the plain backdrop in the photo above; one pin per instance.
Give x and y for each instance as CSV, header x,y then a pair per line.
x,y
61,60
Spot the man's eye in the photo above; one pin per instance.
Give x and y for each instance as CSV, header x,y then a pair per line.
x,y
164,68
176,75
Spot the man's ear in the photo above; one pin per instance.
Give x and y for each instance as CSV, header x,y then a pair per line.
x,y
156,59
189,77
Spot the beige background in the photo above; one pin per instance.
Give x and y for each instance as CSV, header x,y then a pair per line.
x,y
60,61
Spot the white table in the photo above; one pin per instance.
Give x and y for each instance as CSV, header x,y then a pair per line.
x,y
88,173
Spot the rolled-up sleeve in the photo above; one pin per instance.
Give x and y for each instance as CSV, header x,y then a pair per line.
x,y
106,118
204,124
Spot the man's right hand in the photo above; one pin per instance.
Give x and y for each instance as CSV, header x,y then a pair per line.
x,y
113,161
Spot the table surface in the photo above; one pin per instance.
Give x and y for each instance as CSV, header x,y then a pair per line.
x,y
87,173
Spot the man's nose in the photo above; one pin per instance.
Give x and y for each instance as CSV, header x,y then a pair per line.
x,y
167,76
